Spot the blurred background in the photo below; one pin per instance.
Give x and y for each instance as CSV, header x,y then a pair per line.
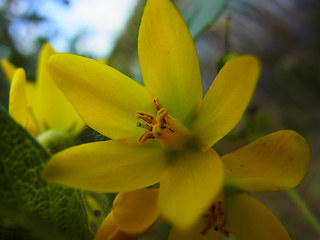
x,y
284,34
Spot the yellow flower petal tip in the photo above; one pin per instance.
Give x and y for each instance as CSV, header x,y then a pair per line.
x,y
133,215
44,102
169,66
249,219
109,230
278,161
135,212
8,68
226,99
51,103
18,103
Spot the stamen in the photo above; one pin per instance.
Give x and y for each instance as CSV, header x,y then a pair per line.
x,y
214,218
148,118
145,136
156,104
146,126
158,124
161,117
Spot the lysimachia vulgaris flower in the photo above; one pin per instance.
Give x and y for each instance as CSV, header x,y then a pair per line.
x,y
161,132
275,162
40,106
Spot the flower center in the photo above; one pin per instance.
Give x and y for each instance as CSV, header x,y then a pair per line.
x,y
162,127
214,218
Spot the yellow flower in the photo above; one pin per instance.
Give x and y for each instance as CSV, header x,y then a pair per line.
x,y
278,161
163,131
40,106
132,216
275,162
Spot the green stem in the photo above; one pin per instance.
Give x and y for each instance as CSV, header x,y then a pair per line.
x,y
300,203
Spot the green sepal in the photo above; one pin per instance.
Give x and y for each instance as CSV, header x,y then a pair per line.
x,y
55,140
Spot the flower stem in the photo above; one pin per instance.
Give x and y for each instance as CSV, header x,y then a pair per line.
x,y
300,203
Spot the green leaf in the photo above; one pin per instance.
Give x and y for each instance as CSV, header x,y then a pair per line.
x,y
202,14
10,231
48,210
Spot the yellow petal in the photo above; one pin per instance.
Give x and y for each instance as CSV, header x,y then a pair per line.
x,y
107,228
32,123
108,166
52,109
168,59
194,233
8,68
249,219
135,212
18,104
32,92
277,161
189,186
106,99
227,99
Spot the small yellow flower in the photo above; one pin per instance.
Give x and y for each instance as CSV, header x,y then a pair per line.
x,y
40,106
163,131
132,216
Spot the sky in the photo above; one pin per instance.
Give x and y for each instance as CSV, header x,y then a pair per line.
x,y
100,21
103,19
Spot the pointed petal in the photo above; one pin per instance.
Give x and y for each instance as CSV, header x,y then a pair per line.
x,y
108,166
107,228
106,99
32,92
195,233
227,99
168,59
277,161
8,68
51,103
189,186
32,124
18,104
249,219
135,212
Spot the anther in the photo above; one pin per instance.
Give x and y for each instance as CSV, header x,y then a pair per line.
x,y
145,136
214,218
154,125
146,126
156,104
148,118
161,117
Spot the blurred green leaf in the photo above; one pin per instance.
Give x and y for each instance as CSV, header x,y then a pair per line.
x,y
11,231
202,14
48,210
